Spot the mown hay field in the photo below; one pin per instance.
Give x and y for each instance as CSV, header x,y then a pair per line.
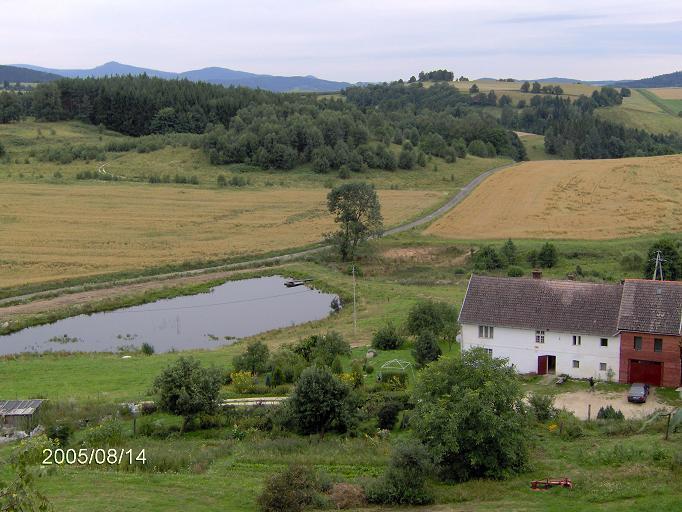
x,y
50,231
572,199
668,93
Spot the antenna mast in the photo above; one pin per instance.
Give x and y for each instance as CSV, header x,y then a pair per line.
x,y
658,268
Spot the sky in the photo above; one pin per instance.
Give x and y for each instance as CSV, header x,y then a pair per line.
x,y
352,40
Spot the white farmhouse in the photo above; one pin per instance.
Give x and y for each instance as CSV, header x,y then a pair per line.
x,y
545,326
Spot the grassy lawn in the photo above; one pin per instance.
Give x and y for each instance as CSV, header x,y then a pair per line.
x,y
627,472
535,147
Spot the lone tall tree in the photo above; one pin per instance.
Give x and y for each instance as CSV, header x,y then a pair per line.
x,y
356,208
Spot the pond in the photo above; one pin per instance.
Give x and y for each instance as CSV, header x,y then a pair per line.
x,y
230,311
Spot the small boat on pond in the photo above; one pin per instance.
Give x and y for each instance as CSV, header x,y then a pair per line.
x,y
291,283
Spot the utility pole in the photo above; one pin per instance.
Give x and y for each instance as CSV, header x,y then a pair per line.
x,y
658,268
355,314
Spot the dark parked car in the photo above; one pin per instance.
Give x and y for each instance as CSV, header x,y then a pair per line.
x,y
638,393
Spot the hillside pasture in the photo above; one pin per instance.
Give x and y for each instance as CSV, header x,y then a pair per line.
x,y
51,231
576,199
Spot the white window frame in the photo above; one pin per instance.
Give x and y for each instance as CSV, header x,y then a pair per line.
x,y
539,336
489,351
577,340
486,332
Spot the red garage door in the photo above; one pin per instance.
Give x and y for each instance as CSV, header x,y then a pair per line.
x,y
648,372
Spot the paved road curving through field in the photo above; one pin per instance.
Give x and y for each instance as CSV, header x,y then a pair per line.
x,y
259,262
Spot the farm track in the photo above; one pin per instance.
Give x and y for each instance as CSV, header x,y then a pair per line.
x,y
36,302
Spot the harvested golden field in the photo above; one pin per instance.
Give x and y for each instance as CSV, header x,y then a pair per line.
x,y
668,93
50,231
572,199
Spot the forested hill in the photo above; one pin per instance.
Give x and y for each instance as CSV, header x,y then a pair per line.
x,y
15,75
361,130
668,80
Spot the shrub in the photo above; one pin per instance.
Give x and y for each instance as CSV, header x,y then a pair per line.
x,y
187,389
478,148
108,433
60,432
542,406
147,349
320,402
242,381
514,271
426,348
221,181
609,413
290,490
437,317
387,337
388,415
404,482
569,426
488,259
323,348
344,495
632,260
254,359
286,366
548,255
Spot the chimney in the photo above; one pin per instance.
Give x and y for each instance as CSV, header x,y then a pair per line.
x,y
537,273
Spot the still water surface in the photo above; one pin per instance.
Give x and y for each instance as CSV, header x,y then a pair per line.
x,y
228,312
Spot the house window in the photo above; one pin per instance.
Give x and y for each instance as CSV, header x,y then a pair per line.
x,y
489,351
658,345
576,364
577,340
485,331
602,367
539,336
604,342
638,343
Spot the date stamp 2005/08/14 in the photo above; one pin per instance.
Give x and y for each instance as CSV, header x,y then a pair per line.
x,y
98,456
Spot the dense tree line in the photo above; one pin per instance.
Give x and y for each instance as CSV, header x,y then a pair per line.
x,y
269,130
142,105
438,75
572,129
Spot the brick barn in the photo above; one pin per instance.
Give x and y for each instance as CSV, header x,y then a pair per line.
x,y
650,323
628,332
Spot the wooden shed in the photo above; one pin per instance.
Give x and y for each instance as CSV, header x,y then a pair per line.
x,y
19,413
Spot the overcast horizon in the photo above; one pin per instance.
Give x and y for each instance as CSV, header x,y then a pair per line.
x,y
351,40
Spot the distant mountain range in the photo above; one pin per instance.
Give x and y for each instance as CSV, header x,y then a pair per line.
x,y
667,80
214,75
16,74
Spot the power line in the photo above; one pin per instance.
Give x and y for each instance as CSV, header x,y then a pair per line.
x,y
198,306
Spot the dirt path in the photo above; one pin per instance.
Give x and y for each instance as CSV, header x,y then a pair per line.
x,y
73,295
578,401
